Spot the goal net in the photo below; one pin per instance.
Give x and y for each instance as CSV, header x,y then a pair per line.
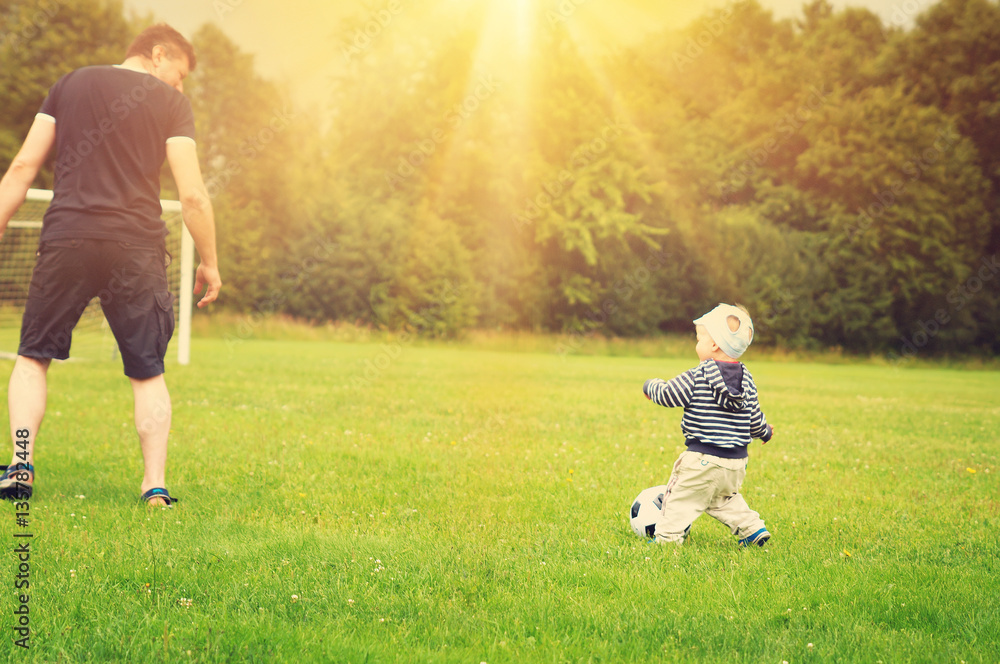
x,y
92,338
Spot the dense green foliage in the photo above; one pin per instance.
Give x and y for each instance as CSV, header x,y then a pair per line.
x,y
838,176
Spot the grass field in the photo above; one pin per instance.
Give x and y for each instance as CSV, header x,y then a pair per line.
x,y
372,502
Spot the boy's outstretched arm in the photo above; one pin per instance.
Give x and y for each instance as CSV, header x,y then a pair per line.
x,y
769,436
673,393
759,428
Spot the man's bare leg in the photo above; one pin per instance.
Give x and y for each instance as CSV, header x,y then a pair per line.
x,y
26,396
152,422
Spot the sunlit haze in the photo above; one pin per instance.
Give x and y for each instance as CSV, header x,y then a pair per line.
x,y
300,43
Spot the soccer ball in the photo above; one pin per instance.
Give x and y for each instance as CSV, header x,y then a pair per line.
x,y
645,510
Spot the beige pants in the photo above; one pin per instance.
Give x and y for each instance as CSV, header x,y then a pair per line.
x,y
705,483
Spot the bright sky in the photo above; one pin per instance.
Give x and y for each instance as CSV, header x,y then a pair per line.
x,y
299,43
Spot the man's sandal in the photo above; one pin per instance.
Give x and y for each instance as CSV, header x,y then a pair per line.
x,y
17,481
158,498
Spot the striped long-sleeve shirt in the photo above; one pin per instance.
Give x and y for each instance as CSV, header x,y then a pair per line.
x,y
721,411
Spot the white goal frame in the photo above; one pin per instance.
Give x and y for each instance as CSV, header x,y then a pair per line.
x,y
185,296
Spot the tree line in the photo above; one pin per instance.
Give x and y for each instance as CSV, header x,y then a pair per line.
x,y
836,175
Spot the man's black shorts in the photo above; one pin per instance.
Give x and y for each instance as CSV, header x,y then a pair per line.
x,y
131,281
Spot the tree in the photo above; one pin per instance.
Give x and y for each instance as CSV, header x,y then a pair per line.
x,y
951,60
247,133
43,40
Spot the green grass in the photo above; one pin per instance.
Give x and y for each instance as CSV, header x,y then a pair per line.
x,y
469,505
276,327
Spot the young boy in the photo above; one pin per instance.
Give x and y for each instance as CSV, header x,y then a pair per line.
x,y
721,416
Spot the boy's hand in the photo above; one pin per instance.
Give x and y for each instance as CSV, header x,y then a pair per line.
x,y
769,438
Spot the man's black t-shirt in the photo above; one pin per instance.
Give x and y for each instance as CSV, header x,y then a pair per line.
x,y
112,127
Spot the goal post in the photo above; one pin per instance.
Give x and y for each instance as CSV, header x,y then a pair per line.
x,y
92,339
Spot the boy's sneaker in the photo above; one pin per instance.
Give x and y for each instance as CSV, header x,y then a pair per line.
x,y
759,538
17,481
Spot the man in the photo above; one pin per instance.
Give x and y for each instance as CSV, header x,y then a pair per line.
x,y
112,127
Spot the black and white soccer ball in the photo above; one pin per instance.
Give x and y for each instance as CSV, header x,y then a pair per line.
x,y
646,509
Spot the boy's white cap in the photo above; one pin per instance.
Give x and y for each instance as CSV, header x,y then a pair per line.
x,y
732,343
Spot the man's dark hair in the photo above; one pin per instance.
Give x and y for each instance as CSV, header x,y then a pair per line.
x,y
163,35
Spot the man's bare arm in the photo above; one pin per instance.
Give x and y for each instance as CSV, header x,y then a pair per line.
x,y
16,182
196,207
